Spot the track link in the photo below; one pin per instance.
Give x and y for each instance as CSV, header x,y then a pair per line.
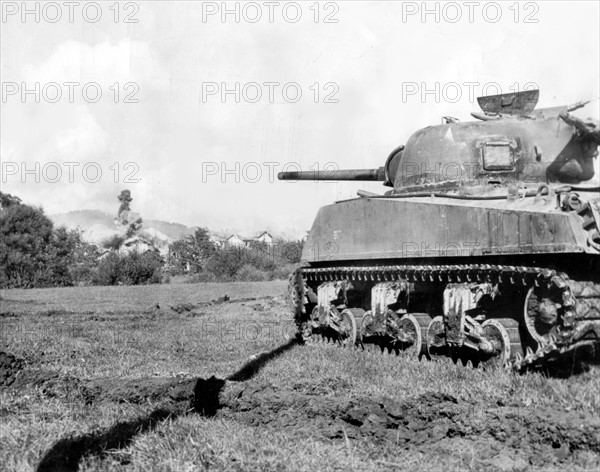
x,y
579,301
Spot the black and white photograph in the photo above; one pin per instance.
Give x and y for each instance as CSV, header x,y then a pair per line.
x,y
300,236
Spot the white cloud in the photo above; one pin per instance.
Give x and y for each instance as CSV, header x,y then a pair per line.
x,y
104,63
170,132
85,138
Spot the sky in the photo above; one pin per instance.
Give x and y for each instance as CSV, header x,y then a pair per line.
x,y
195,106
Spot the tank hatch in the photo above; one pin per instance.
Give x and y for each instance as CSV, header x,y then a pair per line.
x,y
519,103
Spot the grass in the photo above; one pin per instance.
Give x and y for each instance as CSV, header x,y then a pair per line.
x,y
132,332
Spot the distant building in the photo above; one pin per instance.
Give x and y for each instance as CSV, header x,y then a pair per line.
x,y
266,238
219,242
236,240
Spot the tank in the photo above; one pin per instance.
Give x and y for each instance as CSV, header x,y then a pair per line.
x,y
485,247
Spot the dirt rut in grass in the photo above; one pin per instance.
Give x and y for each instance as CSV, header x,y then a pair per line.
x,y
429,421
504,436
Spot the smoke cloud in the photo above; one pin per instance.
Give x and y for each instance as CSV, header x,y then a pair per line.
x,y
126,218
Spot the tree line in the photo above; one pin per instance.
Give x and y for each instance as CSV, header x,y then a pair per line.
x,y
33,253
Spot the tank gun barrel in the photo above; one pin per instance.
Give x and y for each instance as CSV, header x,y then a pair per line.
x,y
348,174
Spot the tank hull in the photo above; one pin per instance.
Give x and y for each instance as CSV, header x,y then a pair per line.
x,y
366,229
507,282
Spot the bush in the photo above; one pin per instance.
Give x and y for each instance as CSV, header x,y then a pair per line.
x,y
283,272
190,254
143,268
226,263
247,272
258,262
130,269
83,274
107,272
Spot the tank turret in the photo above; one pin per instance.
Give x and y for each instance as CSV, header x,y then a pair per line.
x,y
486,247
510,144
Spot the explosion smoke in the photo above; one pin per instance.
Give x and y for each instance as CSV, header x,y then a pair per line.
x,y
126,217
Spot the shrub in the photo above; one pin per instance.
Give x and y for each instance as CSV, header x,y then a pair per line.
x,y
226,263
257,262
190,254
130,269
107,272
145,268
283,272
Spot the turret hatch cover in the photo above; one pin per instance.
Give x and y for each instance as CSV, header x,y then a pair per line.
x,y
519,103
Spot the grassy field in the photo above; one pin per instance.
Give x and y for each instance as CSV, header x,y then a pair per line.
x,y
111,378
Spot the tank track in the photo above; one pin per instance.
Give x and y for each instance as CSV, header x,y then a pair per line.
x,y
580,301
